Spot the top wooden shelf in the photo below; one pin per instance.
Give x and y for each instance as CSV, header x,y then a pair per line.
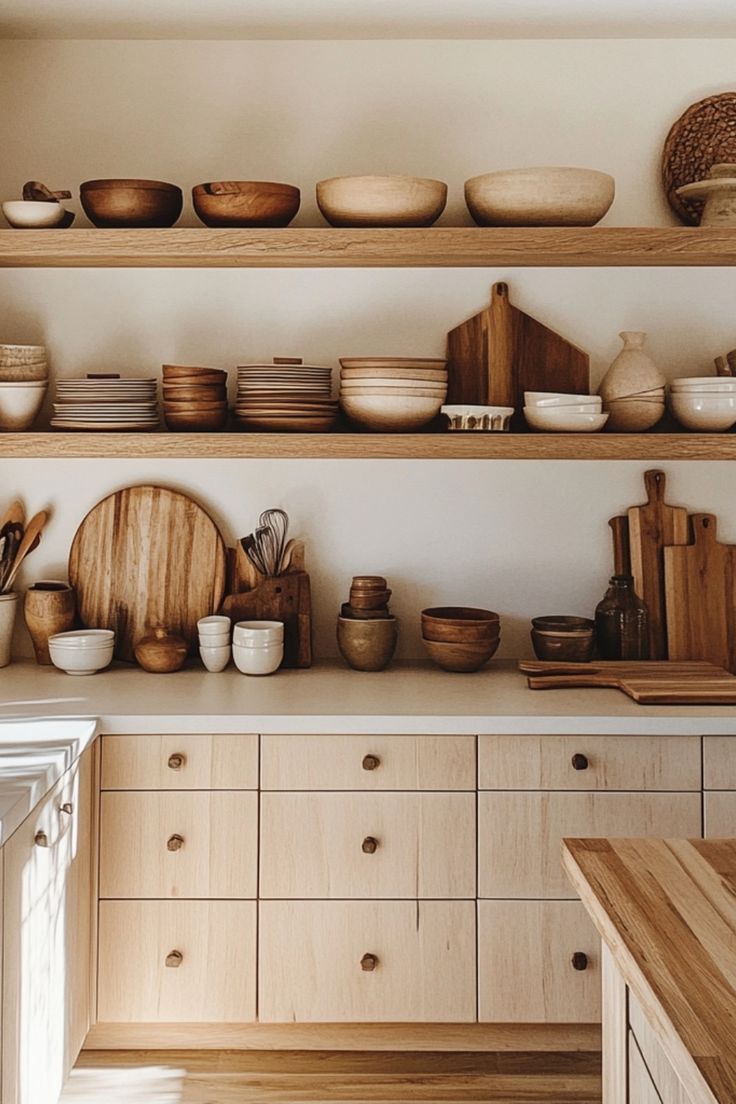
x,y
440,247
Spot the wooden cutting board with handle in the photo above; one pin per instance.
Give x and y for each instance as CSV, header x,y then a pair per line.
x,y
634,668
699,582
710,686
651,528
147,556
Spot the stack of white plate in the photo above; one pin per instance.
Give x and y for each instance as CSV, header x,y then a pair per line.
x,y
106,404
285,398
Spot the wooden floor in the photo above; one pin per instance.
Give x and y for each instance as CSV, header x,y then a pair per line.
x,y
283,1077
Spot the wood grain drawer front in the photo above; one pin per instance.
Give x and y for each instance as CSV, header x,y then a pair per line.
x,y
177,962
170,762
367,962
719,762
350,762
368,845
589,763
179,844
538,962
520,834
720,814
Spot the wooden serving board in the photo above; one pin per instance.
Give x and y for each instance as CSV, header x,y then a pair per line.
x,y
621,667
651,527
147,556
699,590
717,687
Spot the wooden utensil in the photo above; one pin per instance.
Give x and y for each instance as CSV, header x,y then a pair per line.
x,y
29,541
651,527
145,556
723,367
621,549
699,581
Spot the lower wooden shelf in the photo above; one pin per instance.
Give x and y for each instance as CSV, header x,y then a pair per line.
x,y
373,446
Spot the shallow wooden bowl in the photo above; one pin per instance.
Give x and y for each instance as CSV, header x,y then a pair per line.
x,y
540,197
566,649
369,600
460,624
368,582
131,203
381,200
558,622
190,373
465,657
214,393
196,421
246,203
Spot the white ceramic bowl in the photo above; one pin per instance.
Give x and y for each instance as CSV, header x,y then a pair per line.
x,y
704,383
20,403
214,625
540,197
391,413
258,632
560,420
215,659
556,398
82,652
708,413
722,387
215,640
29,214
494,419
258,660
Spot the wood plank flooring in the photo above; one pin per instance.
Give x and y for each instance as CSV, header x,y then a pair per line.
x,y
352,1077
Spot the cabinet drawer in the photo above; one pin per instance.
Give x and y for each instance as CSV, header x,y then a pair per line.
x,y
367,962
352,762
520,834
525,963
179,844
720,814
719,762
170,762
213,981
589,763
367,845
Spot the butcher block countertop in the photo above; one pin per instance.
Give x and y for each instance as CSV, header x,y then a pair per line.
x,y
666,909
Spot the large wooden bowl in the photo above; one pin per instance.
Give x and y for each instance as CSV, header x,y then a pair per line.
x,y
467,656
460,624
246,203
540,197
381,200
131,203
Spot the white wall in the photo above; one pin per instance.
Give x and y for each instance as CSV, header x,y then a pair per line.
x,y
523,538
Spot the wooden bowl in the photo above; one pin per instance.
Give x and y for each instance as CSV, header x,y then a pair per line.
x,y
369,600
466,657
367,645
188,374
368,582
562,623
381,200
131,203
566,649
193,392
196,421
540,197
460,624
246,203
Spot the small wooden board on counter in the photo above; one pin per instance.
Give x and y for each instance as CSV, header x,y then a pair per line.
x,y
646,682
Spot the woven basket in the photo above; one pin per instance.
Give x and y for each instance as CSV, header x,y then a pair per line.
x,y
703,136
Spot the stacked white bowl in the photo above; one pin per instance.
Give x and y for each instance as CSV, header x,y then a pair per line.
x,y
214,642
555,412
258,646
706,403
83,651
23,383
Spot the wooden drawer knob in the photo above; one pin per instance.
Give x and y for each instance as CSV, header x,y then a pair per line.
x,y
371,762
369,846
177,761
41,839
579,961
580,761
67,808
174,959
368,962
175,842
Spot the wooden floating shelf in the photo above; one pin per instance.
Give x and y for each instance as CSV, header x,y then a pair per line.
x,y
442,246
370,446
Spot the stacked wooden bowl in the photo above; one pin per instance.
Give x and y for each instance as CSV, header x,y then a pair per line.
x,y
369,598
366,631
392,394
460,638
195,399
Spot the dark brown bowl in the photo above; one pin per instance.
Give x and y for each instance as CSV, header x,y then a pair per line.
x,y
565,649
562,623
196,421
458,624
466,657
369,599
246,203
174,373
131,203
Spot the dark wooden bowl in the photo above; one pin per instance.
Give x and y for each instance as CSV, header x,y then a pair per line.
x,y
562,624
468,656
196,421
246,203
460,624
565,649
131,203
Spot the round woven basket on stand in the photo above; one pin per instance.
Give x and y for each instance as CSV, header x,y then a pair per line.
x,y
703,136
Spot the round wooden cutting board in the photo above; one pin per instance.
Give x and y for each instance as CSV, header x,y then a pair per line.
x,y
147,556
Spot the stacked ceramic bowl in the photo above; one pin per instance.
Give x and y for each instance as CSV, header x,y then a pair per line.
x,y
392,394
554,412
707,404
82,652
258,646
23,383
634,412
286,396
106,403
214,642
460,638
195,399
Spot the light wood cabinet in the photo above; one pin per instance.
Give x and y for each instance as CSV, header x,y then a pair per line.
x,y
357,762
367,961
188,844
520,834
381,845
48,908
538,962
641,1087
719,810
589,763
719,763
180,762
177,961
667,1083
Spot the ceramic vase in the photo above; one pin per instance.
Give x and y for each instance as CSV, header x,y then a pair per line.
x,y
8,606
49,608
633,388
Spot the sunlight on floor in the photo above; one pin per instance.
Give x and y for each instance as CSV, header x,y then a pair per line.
x,y
148,1085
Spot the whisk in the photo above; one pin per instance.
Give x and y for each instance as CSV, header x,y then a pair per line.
x,y
266,547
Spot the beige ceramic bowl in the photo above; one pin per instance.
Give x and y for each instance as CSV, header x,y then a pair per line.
x,y
540,197
381,200
29,214
391,413
633,415
20,404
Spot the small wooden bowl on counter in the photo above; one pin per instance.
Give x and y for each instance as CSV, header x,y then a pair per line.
x,y
246,203
131,203
566,639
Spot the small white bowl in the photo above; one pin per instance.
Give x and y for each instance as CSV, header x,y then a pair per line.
x,y
707,413
558,398
84,638
723,387
215,640
495,419
82,652
215,659
258,632
214,625
560,420
703,383
20,403
258,660
29,214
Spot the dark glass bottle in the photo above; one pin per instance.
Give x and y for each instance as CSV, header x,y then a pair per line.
x,y
622,622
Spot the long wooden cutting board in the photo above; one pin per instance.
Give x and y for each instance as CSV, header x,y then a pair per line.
x,y
699,582
651,528
717,687
637,668
147,556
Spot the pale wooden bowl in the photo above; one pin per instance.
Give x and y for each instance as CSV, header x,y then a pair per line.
x,y
540,197
381,200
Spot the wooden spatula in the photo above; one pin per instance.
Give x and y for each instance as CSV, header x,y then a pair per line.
x,y
27,544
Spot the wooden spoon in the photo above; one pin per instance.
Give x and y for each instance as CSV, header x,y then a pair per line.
x,y
14,515
30,541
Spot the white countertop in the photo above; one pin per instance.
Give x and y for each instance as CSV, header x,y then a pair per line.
x,y
34,754
413,698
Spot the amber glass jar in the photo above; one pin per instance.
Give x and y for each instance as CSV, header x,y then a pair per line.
x,y
622,622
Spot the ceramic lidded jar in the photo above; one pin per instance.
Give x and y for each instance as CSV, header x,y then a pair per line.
x,y
633,387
